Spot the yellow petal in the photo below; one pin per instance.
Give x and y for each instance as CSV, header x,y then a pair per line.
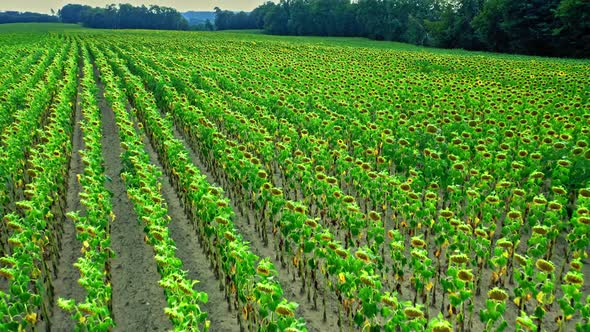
x,y
342,278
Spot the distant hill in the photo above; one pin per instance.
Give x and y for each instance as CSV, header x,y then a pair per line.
x,y
197,17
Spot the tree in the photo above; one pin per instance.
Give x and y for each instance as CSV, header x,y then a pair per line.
x,y
126,16
573,31
209,26
443,32
276,19
372,16
26,17
259,12
488,28
225,20
72,13
543,27
529,25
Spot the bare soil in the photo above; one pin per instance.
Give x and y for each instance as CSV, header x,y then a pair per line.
x,y
66,284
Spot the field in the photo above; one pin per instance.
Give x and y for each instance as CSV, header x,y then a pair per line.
x,y
240,182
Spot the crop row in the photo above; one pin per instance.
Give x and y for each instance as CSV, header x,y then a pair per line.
x,y
92,226
35,227
24,131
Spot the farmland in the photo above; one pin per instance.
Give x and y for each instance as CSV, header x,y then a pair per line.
x,y
242,182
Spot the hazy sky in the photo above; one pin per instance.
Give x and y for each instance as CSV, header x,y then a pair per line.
x,y
44,6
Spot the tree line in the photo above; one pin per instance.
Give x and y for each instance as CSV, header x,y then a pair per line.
x,y
124,16
25,17
539,27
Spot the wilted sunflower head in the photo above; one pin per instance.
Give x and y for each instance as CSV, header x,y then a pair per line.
x,y
459,258
540,230
405,187
264,269
413,313
363,256
481,233
374,216
555,206
497,294
521,260
320,176
431,195
290,206
544,265
584,220
505,243
447,214
519,192
391,301
465,228
576,264
493,199
418,242
558,190
341,252
283,310
442,326
539,200
465,275
513,214
574,278
348,199
311,223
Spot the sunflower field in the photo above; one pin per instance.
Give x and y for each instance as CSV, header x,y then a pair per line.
x,y
195,181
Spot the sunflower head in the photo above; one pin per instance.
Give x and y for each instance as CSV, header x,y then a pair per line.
x,y
574,278
544,265
465,275
497,294
413,313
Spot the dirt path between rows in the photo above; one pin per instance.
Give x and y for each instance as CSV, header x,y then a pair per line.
x,y
189,251
66,284
138,300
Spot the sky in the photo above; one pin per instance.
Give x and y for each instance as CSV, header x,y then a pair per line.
x,y
45,6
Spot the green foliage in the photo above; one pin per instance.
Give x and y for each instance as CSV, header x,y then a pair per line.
x,y
540,27
124,16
